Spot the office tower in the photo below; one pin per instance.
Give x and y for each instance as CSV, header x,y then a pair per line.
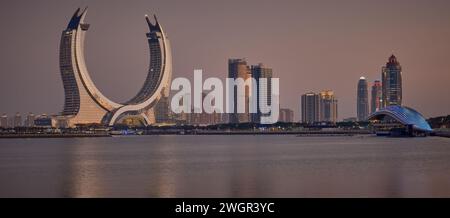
x,y
4,121
85,104
286,115
310,107
29,121
376,96
328,109
238,68
17,120
391,78
362,104
264,89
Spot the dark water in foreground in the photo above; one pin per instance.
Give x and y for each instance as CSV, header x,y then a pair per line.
x,y
225,166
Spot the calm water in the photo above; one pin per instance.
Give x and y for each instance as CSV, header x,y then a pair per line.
x,y
225,166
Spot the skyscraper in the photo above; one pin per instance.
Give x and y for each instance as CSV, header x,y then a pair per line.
x,y
310,107
328,111
17,120
29,122
391,78
376,96
4,121
238,68
264,87
362,104
85,104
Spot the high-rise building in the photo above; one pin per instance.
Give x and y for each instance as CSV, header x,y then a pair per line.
x,y
391,78
29,121
328,109
362,101
310,107
286,115
264,89
4,121
376,100
17,120
85,104
238,68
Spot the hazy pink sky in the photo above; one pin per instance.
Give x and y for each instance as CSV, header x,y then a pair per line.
x,y
311,46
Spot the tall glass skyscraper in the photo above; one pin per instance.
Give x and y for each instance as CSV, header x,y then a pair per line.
x,y
263,96
4,121
238,68
362,104
376,101
310,107
391,77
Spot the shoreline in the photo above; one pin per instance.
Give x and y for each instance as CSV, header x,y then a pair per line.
x,y
81,135
192,132
213,132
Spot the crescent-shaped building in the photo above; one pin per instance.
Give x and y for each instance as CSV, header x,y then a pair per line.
x,y
85,104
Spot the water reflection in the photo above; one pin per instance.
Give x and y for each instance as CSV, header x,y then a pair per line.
x,y
225,166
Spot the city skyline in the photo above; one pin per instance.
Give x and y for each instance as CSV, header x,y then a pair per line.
x,y
313,65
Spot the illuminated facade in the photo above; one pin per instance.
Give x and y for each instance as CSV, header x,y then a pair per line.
x,y
85,104
362,105
397,117
328,109
391,75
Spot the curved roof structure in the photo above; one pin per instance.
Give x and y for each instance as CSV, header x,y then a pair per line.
x,y
404,115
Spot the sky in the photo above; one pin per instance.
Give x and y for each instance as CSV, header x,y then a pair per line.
x,y
311,45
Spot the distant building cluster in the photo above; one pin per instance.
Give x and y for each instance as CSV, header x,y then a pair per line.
x,y
319,107
30,120
238,68
322,107
387,92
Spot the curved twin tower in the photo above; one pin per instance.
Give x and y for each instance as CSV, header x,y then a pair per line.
x,y
85,104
